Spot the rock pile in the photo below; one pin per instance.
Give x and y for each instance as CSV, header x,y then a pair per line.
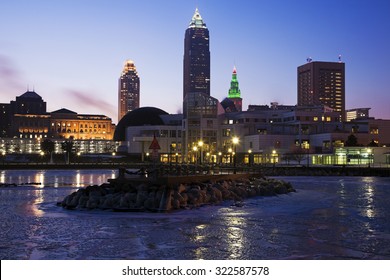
x,y
124,196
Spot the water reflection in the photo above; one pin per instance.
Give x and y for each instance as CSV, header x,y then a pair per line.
x,y
369,196
234,235
2,177
56,178
342,192
36,202
40,179
78,180
200,237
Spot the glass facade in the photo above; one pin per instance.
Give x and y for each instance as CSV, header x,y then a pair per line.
x,y
200,125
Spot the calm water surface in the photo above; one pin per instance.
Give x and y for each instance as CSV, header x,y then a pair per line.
x,y
327,218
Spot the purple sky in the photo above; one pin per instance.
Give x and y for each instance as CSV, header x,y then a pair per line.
x,y
72,52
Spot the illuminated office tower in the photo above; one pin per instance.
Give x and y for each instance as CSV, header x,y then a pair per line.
x,y
196,74
129,89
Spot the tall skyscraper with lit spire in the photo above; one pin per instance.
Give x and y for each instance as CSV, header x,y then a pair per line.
x,y
200,110
196,57
234,91
129,88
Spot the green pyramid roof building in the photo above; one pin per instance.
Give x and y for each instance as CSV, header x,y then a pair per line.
x,y
234,91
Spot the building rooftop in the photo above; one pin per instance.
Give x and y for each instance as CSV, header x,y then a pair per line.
x,y
64,111
30,94
139,117
197,21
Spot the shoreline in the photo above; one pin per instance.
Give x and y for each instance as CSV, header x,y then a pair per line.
x,y
186,170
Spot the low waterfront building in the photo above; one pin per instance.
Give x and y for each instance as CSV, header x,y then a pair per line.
x,y
25,123
355,156
20,146
263,135
137,129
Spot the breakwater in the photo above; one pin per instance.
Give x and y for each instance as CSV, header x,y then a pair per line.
x,y
172,193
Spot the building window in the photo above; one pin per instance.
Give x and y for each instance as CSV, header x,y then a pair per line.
x,y
374,130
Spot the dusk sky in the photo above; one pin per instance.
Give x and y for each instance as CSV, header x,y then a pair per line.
x,y
72,52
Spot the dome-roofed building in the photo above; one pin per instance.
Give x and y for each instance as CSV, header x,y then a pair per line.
x,y
139,117
137,129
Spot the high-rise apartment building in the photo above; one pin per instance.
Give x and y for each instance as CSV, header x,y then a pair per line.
x,y
322,83
196,76
129,89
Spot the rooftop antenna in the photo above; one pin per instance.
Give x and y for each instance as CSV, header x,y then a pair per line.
x,y
340,58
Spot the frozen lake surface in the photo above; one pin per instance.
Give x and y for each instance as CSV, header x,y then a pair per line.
x,y
327,218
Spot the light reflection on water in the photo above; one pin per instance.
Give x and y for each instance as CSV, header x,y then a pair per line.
x,y
369,195
56,178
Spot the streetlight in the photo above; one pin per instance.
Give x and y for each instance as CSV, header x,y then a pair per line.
x,y
200,144
369,154
220,157
249,157
235,142
195,149
274,157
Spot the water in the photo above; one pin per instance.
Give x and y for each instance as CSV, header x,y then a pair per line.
x,y
327,218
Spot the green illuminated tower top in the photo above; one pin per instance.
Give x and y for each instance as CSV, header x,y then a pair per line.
x,y
234,91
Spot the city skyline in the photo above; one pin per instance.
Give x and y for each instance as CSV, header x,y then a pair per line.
x,y
72,53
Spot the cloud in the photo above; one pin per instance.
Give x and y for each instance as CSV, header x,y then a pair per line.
x,y
90,100
10,76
